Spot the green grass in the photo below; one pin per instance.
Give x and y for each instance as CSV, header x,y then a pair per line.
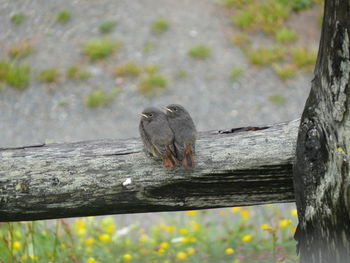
x,y
200,51
303,57
100,48
277,99
244,19
152,85
298,5
285,35
241,40
236,72
237,235
100,98
21,50
265,56
160,25
271,15
76,72
151,69
235,3
49,75
181,74
14,74
107,27
285,71
63,16
149,46
130,69
18,18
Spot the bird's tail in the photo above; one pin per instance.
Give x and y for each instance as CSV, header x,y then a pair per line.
x,y
188,157
170,160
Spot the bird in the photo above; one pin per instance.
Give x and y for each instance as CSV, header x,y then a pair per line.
x,y
157,137
185,133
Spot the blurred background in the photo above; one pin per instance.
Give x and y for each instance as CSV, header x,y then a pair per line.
x,y
84,69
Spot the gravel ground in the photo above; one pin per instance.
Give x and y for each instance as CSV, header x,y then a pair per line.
x,y
57,112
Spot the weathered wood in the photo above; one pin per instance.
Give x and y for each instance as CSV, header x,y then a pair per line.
x,y
234,168
321,175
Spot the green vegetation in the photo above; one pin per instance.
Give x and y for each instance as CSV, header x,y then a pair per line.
x,y
285,71
21,50
130,69
264,56
100,48
151,68
298,5
303,57
107,27
235,3
277,99
200,51
149,46
235,73
100,98
18,18
77,72
152,84
244,19
221,235
160,25
181,74
14,74
49,75
241,40
285,35
63,16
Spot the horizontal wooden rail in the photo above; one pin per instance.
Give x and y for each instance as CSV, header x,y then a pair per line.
x,y
234,168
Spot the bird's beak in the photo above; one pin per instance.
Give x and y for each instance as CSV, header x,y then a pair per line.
x,y
144,115
165,108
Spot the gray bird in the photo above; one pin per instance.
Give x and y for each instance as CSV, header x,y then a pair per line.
x,y
157,136
185,133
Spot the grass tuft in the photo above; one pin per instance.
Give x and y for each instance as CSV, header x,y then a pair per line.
x,y
277,99
100,98
285,71
160,25
200,51
244,19
130,69
18,18
14,74
241,40
100,48
235,73
77,73
21,50
63,16
304,57
50,75
264,56
285,35
152,84
107,27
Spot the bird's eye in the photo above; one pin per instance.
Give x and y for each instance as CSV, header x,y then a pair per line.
x,y
175,109
150,114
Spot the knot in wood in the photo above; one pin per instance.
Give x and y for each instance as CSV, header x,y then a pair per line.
x,y
312,144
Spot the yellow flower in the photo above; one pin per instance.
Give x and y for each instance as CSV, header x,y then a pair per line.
x,y
81,231
191,213
16,245
33,257
80,227
110,229
63,245
229,251
193,239
183,231
181,256
294,212
285,223
105,238
191,251
89,241
265,227
127,257
91,260
164,245
245,214
222,212
293,230
161,251
235,209
185,240
144,238
170,229
247,238
195,226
